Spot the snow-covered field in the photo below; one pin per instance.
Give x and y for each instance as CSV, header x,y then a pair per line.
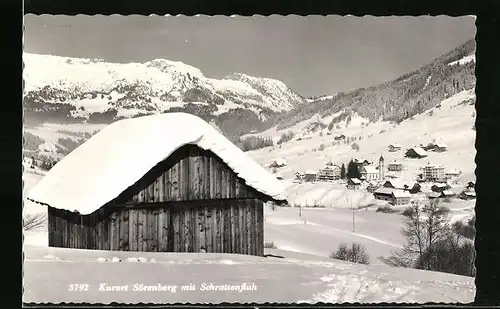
x,y
305,273
281,277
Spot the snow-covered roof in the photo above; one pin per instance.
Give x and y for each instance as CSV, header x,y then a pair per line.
x,y
395,163
440,145
471,193
420,151
448,193
433,194
396,183
441,185
123,152
401,193
369,169
356,181
384,191
395,145
310,172
434,166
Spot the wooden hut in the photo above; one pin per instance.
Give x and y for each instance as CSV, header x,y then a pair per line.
x,y
394,147
467,195
135,187
384,194
394,184
439,147
353,183
440,187
416,152
401,197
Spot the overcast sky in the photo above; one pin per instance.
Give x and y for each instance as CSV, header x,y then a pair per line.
x,y
312,55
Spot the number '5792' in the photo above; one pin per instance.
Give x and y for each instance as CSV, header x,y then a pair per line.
x,y
78,287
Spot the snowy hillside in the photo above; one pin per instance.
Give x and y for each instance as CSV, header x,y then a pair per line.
x,y
451,123
401,98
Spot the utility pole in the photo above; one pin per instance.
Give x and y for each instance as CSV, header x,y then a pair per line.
x,y
353,221
353,214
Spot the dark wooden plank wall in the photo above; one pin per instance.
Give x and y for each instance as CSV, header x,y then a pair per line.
x,y
222,226
191,174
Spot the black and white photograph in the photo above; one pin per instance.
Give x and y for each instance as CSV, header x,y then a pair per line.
x,y
232,159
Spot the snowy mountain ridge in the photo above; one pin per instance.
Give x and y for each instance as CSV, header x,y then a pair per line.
x,y
79,87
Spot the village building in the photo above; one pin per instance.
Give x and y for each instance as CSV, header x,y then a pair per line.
x,y
433,195
439,147
391,175
381,168
395,166
453,174
416,188
447,194
162,183
362,162
279,176
394,184
395,197
433,173
467,195
330,172
401,197
278,163
299,176
440,187
429,147
420,177
369,173
416,153
394,147
311,176
340,137
384,194
372,186
471,185
353,184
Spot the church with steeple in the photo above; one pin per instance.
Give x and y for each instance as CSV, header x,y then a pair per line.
x,y
381,168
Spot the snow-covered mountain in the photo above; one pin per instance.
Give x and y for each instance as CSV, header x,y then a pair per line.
x,y
72,90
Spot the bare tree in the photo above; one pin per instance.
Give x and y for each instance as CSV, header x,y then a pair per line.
x,y
424,227
34,221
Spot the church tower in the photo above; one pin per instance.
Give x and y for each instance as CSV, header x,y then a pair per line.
x,y
381,168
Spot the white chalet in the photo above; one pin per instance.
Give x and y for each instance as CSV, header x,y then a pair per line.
x,y
369,173
329,173
432,172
